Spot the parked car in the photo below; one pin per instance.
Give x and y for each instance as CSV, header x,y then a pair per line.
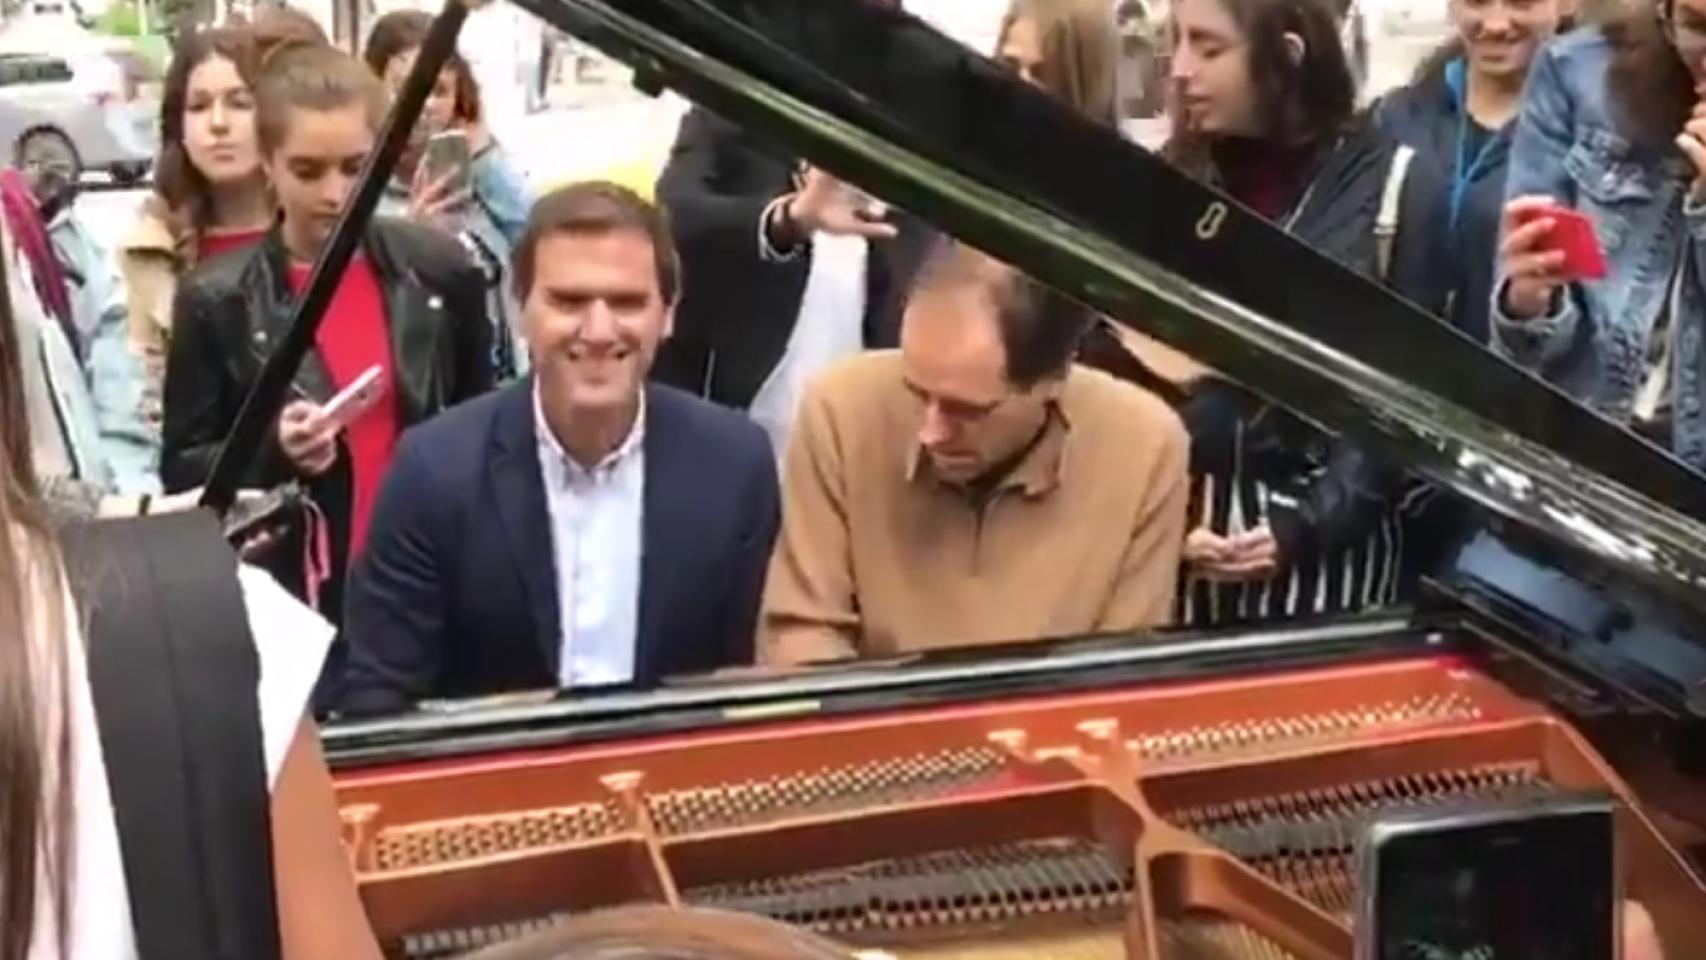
x,y
79,112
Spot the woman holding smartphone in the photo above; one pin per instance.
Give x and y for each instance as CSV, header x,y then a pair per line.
x,y
1459,116
454,175
1613,127
409,305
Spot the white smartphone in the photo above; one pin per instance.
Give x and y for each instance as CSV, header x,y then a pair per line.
x,y
356,399
1525,879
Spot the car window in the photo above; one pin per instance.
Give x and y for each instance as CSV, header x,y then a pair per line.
x,y
50,71
22,70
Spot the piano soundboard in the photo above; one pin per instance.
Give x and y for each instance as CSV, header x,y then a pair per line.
x,y
1192,819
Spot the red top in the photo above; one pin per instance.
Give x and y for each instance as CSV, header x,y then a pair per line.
x,y
215,243
352,338
1264,177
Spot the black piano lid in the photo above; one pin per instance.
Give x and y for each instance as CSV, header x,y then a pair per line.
x,y
883,99
1571,502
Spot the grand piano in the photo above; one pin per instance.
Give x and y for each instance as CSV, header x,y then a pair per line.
x,y
1174,795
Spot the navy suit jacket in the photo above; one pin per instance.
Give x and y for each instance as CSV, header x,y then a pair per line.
x,y
455,593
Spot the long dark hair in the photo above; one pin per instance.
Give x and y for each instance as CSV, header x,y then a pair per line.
x,y
183,191
1080,48
183,198
1302,101
401,31
35,775
1651,89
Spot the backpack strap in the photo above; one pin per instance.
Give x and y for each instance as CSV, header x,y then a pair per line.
x,y
173,674
1391,208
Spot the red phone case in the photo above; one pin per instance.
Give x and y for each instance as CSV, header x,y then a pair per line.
x,y
1572,232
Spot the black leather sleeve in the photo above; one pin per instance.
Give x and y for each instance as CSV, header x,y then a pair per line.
x,y
201,397
1339,507
471,336
195,418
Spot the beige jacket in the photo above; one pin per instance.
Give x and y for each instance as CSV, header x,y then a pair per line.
x,y
149,262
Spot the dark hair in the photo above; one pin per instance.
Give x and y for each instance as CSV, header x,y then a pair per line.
x,y
1651,90
1080,51
312,78
596,207
1431,71
667,933
177,182
1305,101
35,808
1040,327
401,31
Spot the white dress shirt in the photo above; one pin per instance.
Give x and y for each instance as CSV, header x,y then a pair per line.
x,y
595,541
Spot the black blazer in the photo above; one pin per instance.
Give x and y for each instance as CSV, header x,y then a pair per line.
x,y
738,310
456,592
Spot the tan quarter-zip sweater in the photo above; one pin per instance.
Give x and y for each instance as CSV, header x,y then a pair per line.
x,y
877,557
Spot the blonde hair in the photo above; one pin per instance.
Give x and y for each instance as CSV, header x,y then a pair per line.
x,y
667,933
315,78
1080,51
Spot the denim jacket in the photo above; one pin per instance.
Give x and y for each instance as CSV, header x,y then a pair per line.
x,y
129,443
65,437
501,202
1569,146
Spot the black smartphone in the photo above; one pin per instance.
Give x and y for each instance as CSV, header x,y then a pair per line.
x,y
1531,879
270,511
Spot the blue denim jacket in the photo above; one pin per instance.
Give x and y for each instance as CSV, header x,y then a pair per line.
x,y
1569,146
113,370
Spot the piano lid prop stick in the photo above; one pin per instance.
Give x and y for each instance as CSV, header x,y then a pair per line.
x,y
261,408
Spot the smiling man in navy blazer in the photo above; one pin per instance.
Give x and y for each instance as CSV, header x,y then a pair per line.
x,y
579,528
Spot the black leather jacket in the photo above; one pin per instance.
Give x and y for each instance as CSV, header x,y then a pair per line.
x,y
231,310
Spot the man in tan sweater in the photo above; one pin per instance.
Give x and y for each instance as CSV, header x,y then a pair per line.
x,y
974,486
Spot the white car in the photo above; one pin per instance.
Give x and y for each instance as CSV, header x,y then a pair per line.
x,y
78,112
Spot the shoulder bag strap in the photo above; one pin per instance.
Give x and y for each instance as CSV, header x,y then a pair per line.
x,y
173,674
1391,202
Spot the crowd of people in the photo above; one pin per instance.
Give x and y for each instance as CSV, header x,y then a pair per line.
x,y
770,419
